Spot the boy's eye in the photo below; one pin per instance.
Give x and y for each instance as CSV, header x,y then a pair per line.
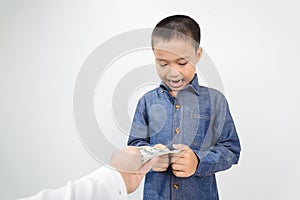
x,y
162,64
182,64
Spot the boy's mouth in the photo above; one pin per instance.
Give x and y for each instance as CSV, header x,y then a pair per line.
x,y
176,83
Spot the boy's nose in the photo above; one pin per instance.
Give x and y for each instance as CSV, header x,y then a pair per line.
x,y
173,72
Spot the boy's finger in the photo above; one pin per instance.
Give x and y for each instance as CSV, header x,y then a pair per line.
x,y
166,156
159,169
178,167
160,165
178,160
179,173
161,146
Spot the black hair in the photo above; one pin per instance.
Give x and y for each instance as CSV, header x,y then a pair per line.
x,y
177,26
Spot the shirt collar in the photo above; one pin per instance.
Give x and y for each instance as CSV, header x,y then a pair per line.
x,y
194,85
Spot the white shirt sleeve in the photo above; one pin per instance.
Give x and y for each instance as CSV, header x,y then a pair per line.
x,y
104,183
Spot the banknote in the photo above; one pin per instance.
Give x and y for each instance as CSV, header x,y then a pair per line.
x,y
149,152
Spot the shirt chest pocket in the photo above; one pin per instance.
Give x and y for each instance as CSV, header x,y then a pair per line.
x,y
200,125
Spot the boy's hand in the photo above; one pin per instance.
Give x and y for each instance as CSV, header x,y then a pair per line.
x,y
163,162
185,163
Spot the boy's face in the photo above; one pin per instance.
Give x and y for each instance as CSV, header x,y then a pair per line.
x,y
176,62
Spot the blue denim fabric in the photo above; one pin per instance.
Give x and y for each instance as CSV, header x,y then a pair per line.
x,y
205,125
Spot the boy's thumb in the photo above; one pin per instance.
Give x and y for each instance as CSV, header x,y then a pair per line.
x,y
180,146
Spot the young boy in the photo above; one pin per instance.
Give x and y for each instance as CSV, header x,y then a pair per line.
x,y
180,114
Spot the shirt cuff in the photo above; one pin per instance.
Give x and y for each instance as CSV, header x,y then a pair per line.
x,y
112,180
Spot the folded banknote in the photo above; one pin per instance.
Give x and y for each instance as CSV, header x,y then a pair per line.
x,y
149,152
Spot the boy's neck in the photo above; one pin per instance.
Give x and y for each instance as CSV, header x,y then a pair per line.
x,y
173,93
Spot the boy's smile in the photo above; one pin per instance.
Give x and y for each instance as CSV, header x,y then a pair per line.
x,y
175,63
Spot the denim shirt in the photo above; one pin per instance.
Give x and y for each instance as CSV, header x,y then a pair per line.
x,y
198,117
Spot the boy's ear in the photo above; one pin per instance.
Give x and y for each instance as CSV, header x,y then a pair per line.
x,y
199,53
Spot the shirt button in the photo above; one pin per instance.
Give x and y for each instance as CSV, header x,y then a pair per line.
x,y
177,106
175,186
177,130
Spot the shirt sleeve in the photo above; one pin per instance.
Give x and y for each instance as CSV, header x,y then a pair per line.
x,y
221,147
103,183
139,132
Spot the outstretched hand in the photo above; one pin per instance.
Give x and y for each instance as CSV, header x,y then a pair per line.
x,y
129,163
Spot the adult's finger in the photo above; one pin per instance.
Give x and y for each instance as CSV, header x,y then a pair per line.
x,y
148,165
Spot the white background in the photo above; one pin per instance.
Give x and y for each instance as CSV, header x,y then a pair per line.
x,y
254,45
